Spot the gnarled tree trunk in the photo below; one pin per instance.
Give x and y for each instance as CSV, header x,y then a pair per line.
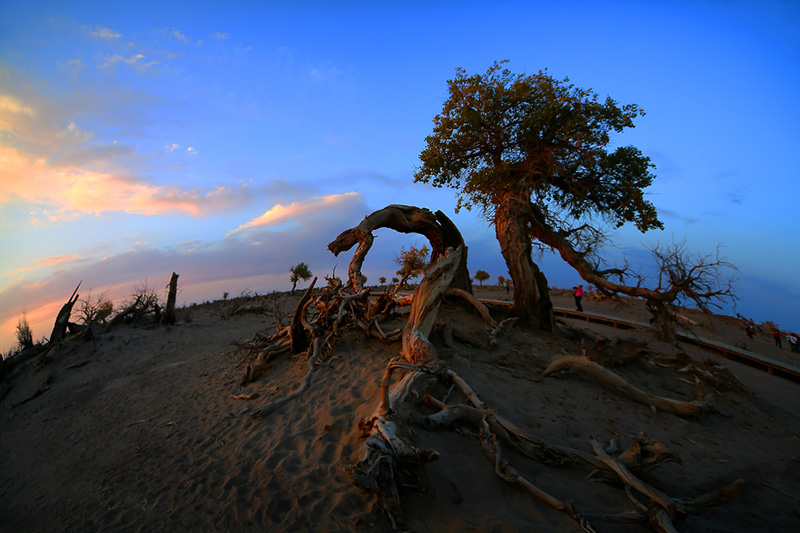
x,y
532,303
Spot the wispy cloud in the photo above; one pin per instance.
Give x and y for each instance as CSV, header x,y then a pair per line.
x,y
285,213
52,262
104,33
9,104
135,61
220,36
74,191
180,36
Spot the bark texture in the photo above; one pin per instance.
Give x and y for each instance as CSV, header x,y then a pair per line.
x,y
532,303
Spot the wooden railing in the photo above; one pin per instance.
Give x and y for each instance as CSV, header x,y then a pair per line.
x,y
771,366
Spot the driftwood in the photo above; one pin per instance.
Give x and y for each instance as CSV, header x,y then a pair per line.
x,y
508,473
584,364
386,450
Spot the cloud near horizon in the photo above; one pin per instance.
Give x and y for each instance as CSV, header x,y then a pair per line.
x,y
265,252
280,214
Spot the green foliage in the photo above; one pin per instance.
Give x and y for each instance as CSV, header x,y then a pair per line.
x,y
300,271
481,276
502,134
382,280
24,332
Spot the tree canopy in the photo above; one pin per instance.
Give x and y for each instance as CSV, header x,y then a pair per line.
x,y
535,154
501,132
481,276
300,271
411,262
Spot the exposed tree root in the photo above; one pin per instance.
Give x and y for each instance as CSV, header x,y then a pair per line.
x,y
584,364
508,473
661,512
387,450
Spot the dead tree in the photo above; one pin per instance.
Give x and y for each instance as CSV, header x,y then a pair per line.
x,y
169,313
681,277
388,448
440,231
62,320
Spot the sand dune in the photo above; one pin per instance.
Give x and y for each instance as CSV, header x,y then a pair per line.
x,y
145,429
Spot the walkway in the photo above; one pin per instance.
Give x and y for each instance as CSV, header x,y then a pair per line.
x,y
771,366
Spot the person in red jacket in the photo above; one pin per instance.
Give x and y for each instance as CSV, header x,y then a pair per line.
x,y
777,336
578,296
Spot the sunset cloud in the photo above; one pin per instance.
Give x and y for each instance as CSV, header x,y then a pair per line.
x,y
296,210
75,191
52,262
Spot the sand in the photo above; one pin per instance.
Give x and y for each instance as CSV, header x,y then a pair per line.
x,y
141,430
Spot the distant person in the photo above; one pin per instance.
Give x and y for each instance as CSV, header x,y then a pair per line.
x,y
777,336
793,340
749,330
578,296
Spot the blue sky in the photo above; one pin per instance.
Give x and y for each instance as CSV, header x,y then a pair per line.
x,y
229,141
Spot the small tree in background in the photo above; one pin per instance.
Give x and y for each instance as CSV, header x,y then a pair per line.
x,y
24,332
501,281
412,262
481,276
382,279
299,272
395,281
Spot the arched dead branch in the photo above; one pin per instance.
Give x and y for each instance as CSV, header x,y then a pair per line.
x,y
440,231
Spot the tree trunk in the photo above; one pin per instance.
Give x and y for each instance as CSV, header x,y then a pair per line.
x,y
532,303
169,313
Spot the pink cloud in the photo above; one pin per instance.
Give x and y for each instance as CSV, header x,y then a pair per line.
x,y
284,213
74,191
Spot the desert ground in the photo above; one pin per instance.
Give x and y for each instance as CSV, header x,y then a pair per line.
x,y
150,428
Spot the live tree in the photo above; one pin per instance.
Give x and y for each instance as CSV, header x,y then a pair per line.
x,y
533,153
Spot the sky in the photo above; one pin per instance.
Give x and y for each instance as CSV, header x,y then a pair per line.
x,y
228,141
